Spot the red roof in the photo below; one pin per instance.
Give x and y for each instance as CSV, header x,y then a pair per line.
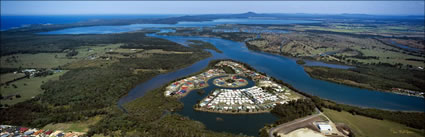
x,y
184,88
48,132
23,129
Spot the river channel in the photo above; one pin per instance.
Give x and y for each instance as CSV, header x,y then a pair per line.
x,y
280,67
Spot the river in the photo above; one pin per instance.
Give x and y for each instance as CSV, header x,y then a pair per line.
x,y
280,67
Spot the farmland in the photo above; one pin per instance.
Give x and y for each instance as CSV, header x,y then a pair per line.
x,y
26,88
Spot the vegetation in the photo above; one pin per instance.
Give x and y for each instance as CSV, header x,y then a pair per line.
x,y
153,111
26,88
372,77
301,62
85,92
75,126
203,45
293,109
368,127
227,69
411,119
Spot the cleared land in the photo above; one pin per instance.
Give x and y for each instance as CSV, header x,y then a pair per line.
x,y
75,126
26,88
10,76
336,48
369,127
302,132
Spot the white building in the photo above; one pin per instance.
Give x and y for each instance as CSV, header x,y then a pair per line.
x,y
324,127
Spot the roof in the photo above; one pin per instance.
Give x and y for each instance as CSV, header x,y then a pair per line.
x,y
23,129
48,132
325,127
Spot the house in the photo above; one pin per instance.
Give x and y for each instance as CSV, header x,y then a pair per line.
x,y
23,129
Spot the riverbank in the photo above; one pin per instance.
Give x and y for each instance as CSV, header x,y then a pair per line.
x,y
229,112
375,79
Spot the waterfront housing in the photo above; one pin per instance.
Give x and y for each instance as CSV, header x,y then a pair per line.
x,y
232,94
18,131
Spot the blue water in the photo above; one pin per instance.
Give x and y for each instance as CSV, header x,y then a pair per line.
x,y
322,64
404,46
134,27
280,67
289,71
9,22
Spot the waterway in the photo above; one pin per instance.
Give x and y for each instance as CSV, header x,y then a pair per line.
x,y
280,67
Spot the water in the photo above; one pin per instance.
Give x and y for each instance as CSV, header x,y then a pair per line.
x,y
134,27
404,46
261,30
289,71
249,126
322,64
280,67
10,22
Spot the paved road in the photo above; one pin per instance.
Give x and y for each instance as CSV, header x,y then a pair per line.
x,y
272,130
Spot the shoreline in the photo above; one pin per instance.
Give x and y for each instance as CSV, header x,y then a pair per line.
x,y
227,112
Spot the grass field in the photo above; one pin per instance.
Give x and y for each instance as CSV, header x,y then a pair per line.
x,y
39,60
52,60
10,76
368,127
77,126
27,88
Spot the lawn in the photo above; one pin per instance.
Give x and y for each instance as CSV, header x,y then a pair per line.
x,y
10,76
369,127
77,126
27,88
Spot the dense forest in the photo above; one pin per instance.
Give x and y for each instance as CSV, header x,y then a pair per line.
x,y
293,109
85,92
372,77
203,45
33,43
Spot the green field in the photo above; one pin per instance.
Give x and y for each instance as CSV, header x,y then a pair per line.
x,y
368,127
53,60
10,76
27,88
75,126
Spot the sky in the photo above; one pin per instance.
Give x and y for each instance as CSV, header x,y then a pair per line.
x,y
210,7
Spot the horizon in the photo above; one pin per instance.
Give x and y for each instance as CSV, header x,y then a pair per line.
x,y
188,14
383,8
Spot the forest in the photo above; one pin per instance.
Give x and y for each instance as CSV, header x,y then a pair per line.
x,y
372,77
85,92
293,109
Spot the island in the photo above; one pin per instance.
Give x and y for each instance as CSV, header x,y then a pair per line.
x,y
234,88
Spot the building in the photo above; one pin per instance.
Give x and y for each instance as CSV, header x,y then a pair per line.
x,y
324,127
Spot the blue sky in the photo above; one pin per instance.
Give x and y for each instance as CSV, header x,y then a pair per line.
x,y
207,7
